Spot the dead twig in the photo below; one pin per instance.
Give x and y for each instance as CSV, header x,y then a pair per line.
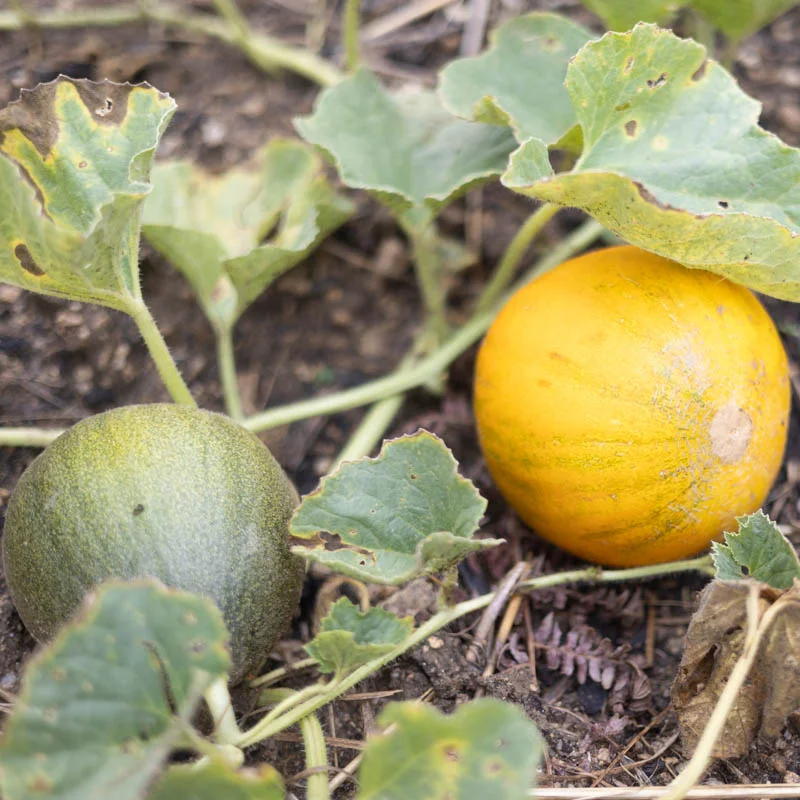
x,y
492,611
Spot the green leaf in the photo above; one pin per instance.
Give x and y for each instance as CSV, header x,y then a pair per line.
x,y
621,15
740,18
405,513
403,147
519,81
674,161
102,706
349,637
211,227
75,160
486,749
215,781
758,550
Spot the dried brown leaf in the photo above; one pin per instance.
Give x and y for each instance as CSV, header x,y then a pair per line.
x,y
584,654
714,643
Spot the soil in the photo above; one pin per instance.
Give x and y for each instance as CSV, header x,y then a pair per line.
x,y
345,316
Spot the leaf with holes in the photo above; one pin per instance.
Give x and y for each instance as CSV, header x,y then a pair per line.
x,y
675,162
389,519
349,637
214,781
738,19
106,701
519,81
213,227
487,748
403,147
75,161
621,15
759,551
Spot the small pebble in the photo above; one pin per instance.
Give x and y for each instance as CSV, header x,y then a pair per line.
x,y
8,681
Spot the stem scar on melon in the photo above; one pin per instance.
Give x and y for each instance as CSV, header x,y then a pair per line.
x,y
731,431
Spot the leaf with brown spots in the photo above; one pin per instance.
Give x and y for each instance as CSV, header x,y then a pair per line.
x,y
714,643
674,161
486,749
74,169
104,704
392,518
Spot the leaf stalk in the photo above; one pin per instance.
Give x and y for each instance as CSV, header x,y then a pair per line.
x,y
512,257
226,363
352,26
161,355
430,277
314,745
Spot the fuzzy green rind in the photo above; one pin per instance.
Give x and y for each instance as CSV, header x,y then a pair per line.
x,y
405,513
214,781
179,494
675,162
104,704
487,748
75,159
519,81
212,227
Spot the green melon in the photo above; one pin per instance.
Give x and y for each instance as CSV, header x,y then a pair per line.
x,y
180,494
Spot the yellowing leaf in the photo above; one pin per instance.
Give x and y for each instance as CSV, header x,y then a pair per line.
x,y
75,160
674,161
212,227
106,701
486,749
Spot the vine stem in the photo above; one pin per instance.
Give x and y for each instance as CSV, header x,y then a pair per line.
x,y
265,52
29,437
269,726
226,363
218,700
428,269
275,675
512,257
352,26
403,379
161,355
288,702
314,745
371,429
756,628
